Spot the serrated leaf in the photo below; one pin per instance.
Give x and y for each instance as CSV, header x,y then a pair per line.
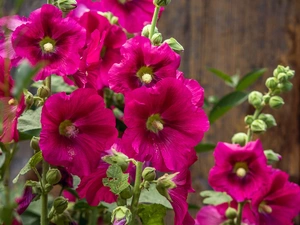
x,y
30,120
226,103
214,197
221,74
249,79
116,179
57,85
152,214
205,147
33,161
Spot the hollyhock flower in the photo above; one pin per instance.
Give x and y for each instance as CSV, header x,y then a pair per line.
x,y
11,109
24,201
239,171
49,38
74,135
163,125
142,65
279,202
133,14
66,178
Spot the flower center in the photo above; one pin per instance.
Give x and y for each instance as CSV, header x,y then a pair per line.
x,y
68,129
48,47
122,1
155,123
264,208
241,169
145,74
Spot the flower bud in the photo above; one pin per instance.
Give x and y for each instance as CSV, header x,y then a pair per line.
x,y
120,214
53,176
278,70
268,119
162,2
272,156
127,193
29,99
157,39
146,185
48,188
117,158
60,204
34,143
255,98
231,213
61,219
271,83
165,183
239,138
111,18
174,45
43,92
248,119
258,126
282,77
66,5
286,86
266,98
149,174
146,30
276,102
290,74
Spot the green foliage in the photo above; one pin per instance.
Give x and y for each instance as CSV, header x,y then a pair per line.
x,y
214,197
205,147
57,85
249,79
116,179
152,214
29,124
227,78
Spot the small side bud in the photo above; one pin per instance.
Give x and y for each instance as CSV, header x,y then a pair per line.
x,y
282,77
276,102
53,176
255,98
271,156
278,70
127,193
149,174
231,213
290,74
111,18
28,99
34,143
162,2
174,45
121,214
286,86
239,138
117,158
60,204
165,183
248,119
268,119
48,188
258,126
43,92
271,83
146,30
65,5
157,39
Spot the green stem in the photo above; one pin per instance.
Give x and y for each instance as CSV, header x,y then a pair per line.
x,y
154,21
136,190
44,196
240,213
255,116
93,220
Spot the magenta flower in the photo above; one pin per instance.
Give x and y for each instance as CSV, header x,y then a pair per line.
x,y
133,14
49,38
239,171
74,135
24,201
142,65
163,125
279,202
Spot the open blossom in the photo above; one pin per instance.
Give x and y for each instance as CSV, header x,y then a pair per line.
x,y
279,202
49,38
163,125
142,65
239,171
76,128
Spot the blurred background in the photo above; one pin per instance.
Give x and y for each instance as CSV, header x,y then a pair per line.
x,y
235,37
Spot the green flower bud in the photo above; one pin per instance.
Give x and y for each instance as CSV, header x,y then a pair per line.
x,y
48,188
146,185
282,77
231,213
271,83
120,213
53,176
248,119
61,219
278,70
149,174
286,86
111,18
146,30
117,158
266,98
43,92
290,74
239,138
28,99
258,126
60,204
165,183
162,2
271,156
157,39
255,98
174,45
65,5
268,119
34,143
127,193
276,102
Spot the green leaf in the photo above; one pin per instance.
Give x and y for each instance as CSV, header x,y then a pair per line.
x,y
57,85
222,75
205,147
30,120
214,197
249,79
24,74
152,214
116,179
33,161
226,103
152,196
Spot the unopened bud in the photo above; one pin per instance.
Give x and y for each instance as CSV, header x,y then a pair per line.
x,y
65,5
248,119
34,143
60,204
111,18
127,193
266,98
162,2
146,30
268,119
48,188
290,74
165,183
174,45
271,83
255,98
157,39
272,156
282,77
146,185
149,174
43,92
258,126
120,213
29,99
117,158
278,70
231,213
286,86
276,102
53,176
239,138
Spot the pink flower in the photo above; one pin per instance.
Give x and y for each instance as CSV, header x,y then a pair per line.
x,y
142,65
75,129
239,171
133,14
24,201
52,39
163,125
279,202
